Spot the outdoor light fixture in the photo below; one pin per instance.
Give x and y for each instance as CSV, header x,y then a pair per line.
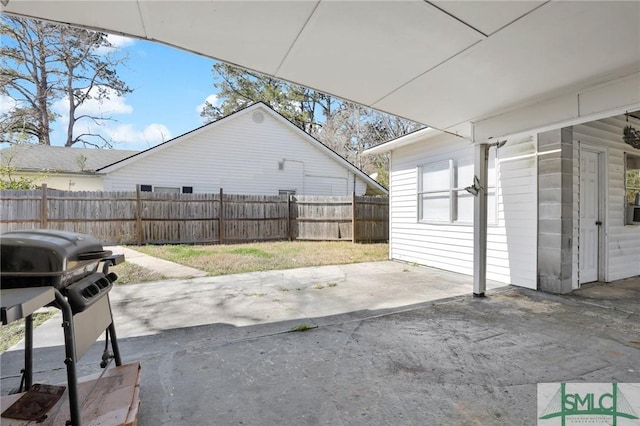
x,y
631,135
475,188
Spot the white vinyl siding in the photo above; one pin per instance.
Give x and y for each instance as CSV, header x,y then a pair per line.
x,y
516,236
622,249
241,157
511,245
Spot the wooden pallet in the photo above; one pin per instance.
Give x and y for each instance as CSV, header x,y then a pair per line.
x,y
110,400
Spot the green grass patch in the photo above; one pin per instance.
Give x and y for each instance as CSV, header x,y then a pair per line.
x,y
267,256
302,327
11,334
129,273
183,251
250,251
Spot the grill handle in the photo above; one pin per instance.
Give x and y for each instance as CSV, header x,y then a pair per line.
x,y
94,255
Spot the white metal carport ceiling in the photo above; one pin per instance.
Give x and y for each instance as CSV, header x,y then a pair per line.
x,y
441,63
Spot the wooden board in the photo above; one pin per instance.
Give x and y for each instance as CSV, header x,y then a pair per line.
x,y
112,400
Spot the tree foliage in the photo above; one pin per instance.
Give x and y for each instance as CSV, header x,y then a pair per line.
x,y
345,127
42,63
9,177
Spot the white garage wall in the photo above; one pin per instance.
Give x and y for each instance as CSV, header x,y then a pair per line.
x,y
512,240
241,156
622,241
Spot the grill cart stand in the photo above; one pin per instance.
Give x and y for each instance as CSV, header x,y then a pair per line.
x,y
23,302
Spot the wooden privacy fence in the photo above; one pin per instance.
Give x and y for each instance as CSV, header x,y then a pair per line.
x,y
157,218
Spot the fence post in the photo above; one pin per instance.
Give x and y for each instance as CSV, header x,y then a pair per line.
x,y
289,233
221,219
138,216
44,208
353,217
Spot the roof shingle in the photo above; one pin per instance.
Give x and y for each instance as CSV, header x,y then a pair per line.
x,y
31,157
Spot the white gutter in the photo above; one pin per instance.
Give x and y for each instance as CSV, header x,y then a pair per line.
x,y
408,139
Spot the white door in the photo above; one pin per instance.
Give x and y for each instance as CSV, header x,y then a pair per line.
x,y
589,217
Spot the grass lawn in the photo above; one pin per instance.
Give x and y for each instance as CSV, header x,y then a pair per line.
x,y
267,256
11,334
131,273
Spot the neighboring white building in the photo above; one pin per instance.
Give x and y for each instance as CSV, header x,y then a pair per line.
x,y
253,151
547,192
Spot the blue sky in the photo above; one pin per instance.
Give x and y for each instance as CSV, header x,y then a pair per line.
x,y
169,85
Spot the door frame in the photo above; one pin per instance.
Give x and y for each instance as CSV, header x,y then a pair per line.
x,y
603,211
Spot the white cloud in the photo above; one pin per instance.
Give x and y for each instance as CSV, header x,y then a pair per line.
x,y
96,107
127,136
7,103
212,99
117,43
123,136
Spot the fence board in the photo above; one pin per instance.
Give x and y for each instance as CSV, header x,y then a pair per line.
x,y
147,217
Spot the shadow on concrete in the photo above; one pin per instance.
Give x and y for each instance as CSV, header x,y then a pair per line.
x,y
454,361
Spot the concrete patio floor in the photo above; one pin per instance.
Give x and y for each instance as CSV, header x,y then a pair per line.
x,y
391,360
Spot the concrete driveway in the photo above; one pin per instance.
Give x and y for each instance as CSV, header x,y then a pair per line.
x,y
393,344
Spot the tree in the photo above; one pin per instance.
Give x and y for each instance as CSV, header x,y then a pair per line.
x,y
239,88
345,127
43,63
27,81
9,177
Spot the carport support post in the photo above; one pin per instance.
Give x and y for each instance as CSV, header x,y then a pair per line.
x,y
481,155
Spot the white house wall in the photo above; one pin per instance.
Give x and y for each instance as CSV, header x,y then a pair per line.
x,y
511,246
65,181
242,157
622,242
517,210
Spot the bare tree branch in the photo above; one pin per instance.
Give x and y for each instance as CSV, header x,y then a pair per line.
x,y
42,63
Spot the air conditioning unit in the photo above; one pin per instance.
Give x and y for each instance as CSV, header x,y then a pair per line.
x,y
633,215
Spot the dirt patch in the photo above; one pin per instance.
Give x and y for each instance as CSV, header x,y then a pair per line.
x,y
525,303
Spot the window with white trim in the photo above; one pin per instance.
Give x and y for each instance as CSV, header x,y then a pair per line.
x,y
631,178
442,197
166,189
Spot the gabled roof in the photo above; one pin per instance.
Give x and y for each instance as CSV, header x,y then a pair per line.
x,y
32,157
408,139
371,183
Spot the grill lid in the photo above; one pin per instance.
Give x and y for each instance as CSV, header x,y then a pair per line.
x,y
48,253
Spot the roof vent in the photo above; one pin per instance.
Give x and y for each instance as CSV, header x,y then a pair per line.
x,y
258,117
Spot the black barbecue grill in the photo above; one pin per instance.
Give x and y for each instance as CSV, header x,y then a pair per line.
x,y
69,263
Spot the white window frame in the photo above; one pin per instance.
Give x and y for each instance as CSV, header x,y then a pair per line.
x,y
454,188
422,192
167,189
635,158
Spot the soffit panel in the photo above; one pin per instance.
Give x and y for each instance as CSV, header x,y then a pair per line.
x,y
559,45
488,16
254,34
363,50
119,17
